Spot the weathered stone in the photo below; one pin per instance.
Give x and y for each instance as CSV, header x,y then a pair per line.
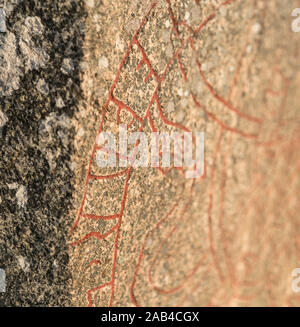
x,y
76,233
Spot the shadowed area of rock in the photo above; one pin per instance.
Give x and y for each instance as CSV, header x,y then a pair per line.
x,y
40,49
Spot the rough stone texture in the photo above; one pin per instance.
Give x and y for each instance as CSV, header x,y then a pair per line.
x,y
148,236
37,101
230,238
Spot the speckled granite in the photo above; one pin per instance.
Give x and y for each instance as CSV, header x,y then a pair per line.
x,y
40,48
149,237
75,233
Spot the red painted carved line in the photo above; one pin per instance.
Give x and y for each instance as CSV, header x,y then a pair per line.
x,y
121,105
117,238
96,235
192,272
147,62
219,122
94,262
223,101
92,290
109,176
110,98
155,99
141,254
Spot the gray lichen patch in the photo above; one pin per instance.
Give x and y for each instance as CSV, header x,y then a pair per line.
x,y
42,86
9,5
34,57
67,66
3,121
60,102
52,127
23,263
2,21
2,281
21,196
10,64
